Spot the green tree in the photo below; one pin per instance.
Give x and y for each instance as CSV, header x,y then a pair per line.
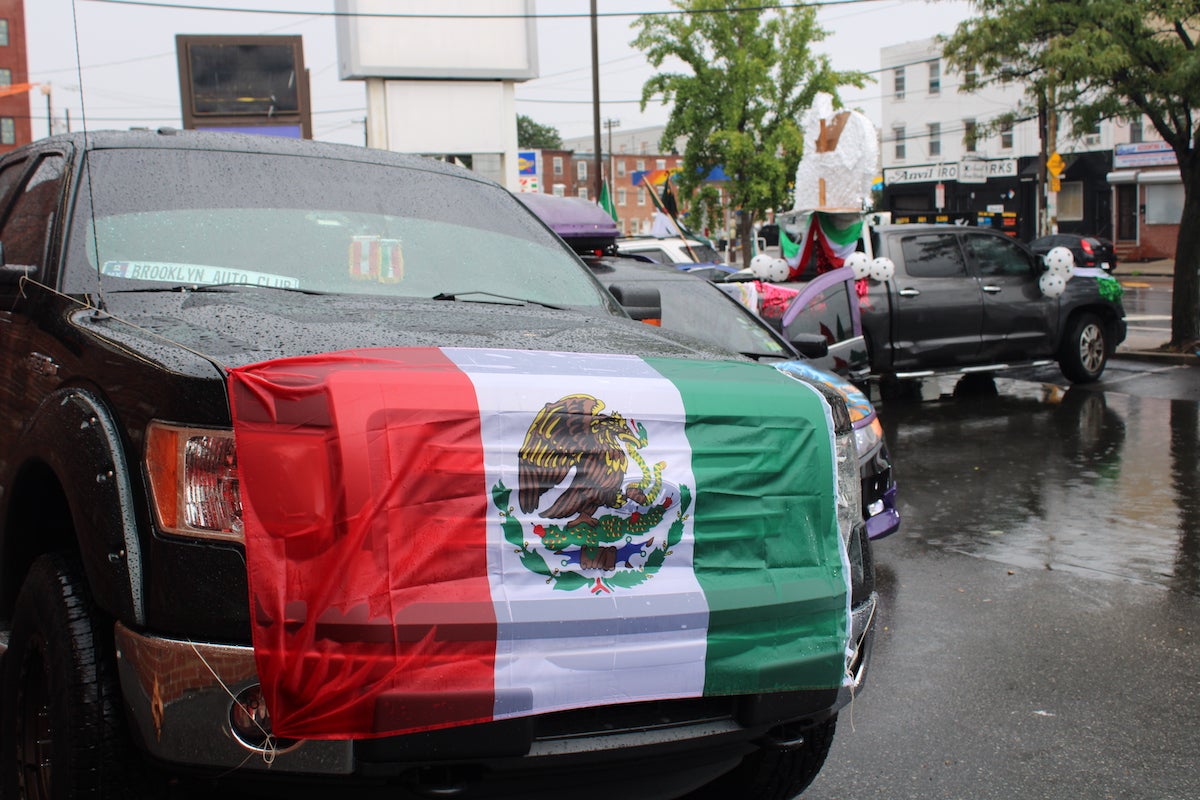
x,y
533,134
750,75
1091,60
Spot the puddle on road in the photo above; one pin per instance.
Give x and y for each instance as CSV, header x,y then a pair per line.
x,y
1041,477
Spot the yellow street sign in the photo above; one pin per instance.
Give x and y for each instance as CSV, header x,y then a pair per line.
x,y
1055,184
1055,164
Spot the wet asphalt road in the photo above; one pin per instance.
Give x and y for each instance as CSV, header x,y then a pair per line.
x,y
1040,632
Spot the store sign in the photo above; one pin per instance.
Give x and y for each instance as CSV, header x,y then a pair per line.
x,y
1143,154
922,174
968,171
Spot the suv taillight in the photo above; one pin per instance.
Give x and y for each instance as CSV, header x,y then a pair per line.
x,y
194,481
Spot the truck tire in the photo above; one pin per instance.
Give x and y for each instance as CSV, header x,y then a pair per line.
x,y
1084,350
774,774
62,733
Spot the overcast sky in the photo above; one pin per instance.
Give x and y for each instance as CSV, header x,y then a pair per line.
x,y
122,71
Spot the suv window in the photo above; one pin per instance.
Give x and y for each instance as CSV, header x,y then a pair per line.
x,y
26,231
994,255
933,255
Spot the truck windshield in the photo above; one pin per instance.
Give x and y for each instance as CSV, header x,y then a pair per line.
x,y
198,217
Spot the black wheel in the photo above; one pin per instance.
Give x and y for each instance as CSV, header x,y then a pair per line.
x,y
1084,349
774,774
61,733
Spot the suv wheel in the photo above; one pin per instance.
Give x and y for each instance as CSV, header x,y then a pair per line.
x,y
774,773
61,728
1084,349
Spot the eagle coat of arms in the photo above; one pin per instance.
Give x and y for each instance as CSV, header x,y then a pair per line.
x,y
576,461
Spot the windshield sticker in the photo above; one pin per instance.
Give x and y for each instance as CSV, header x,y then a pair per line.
x,y
194,274
373,258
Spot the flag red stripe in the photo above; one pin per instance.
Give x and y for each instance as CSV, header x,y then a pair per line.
x,y
365,505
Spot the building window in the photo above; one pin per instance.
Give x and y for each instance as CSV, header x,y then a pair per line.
x,y
642,150
898,136
1006,136
898,83
971,77
620,167
581,170
935,77
1070,201
560,190
3,33
8,131
660,163
641,165
583,192
641,196
1164,204
620,197
970,135
935,138
1136,133
5,77
558,165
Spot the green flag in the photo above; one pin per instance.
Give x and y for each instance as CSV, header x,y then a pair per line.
x,y
606,201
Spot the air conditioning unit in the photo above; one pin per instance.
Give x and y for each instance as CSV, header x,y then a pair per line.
x,y
1092,139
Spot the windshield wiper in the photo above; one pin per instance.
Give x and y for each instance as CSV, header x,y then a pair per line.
x,y
525,301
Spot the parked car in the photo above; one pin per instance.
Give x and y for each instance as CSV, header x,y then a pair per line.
x,y
1090,251
686,304
680,251
965,299
328,465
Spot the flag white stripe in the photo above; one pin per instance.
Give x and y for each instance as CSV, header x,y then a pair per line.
x,y
561,649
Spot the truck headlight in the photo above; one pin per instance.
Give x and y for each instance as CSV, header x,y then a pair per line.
x,y
194,481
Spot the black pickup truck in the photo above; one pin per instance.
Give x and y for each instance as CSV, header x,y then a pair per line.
x,y
960,299
332,468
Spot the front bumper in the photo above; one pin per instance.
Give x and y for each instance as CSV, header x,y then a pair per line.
x,y
180,694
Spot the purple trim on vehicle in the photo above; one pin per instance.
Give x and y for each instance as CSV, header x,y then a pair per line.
x,y
820,284
886,522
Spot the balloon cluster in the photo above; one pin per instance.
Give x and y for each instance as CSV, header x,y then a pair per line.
x,y
878,269
1060,266
766,268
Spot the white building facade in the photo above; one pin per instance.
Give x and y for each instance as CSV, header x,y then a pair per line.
x,y
944,158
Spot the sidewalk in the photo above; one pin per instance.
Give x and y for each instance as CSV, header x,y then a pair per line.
x,y
1142,344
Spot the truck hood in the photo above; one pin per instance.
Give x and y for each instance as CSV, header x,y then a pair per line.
x,y
190,332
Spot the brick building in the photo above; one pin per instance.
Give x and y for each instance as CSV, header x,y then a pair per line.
x,y
14,72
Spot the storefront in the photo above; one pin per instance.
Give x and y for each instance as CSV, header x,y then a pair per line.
x,y
1147,200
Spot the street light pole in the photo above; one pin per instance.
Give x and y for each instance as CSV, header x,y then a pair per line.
x,y
599,159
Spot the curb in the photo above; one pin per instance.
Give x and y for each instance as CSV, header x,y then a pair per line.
x,y
1185,359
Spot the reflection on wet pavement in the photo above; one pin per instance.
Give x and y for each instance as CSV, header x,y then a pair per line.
x,y
1039,476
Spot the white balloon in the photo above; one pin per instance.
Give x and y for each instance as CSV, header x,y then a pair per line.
x,y
760,265
882,269
1061,260
779,270
1052,284
858,262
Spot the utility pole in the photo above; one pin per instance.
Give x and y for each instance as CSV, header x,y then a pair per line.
x,y
596,179
609,124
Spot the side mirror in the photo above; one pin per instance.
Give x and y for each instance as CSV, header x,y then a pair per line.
x,y
810,345
640,302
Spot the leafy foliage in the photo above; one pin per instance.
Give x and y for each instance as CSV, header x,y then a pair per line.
x,y
534,134
749,75
1094,60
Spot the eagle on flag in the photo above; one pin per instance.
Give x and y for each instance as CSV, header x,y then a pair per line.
x,y
572,434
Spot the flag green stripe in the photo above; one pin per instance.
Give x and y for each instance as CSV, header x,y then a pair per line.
x,y
767,550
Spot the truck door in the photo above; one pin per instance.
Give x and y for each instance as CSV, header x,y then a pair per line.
x,y
937,312
1018,320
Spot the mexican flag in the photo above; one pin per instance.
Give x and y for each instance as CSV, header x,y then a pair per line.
x,y
440,537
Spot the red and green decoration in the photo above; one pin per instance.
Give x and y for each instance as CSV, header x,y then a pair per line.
x,y
827,237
